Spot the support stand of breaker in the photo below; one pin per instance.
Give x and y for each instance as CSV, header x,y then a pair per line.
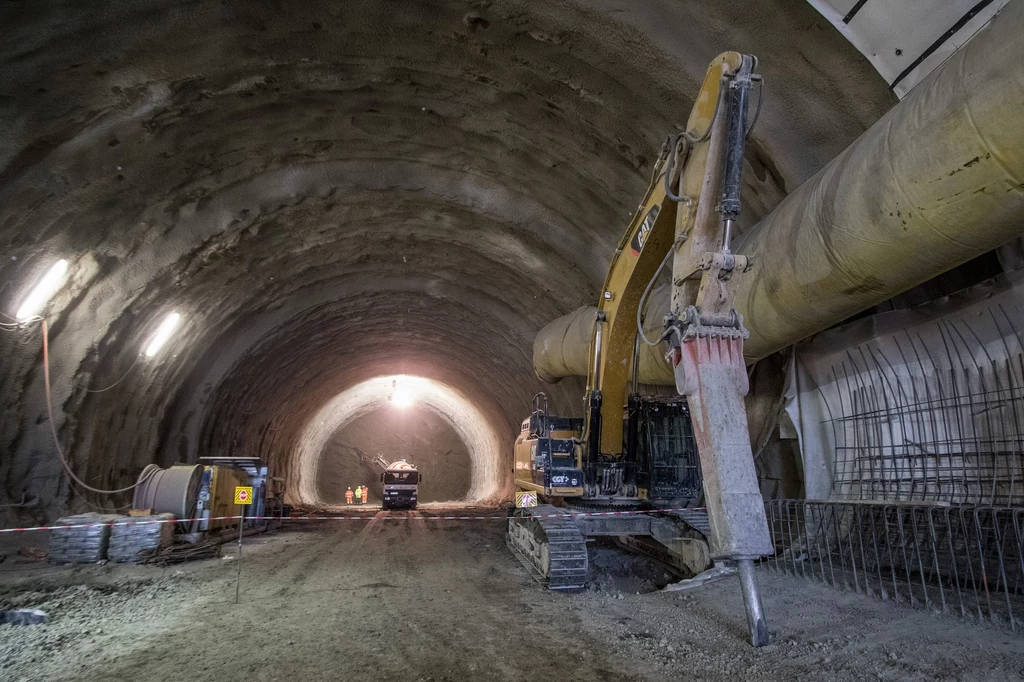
x,y
706,334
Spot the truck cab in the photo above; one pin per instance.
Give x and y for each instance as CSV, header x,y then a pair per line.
x,y
401,483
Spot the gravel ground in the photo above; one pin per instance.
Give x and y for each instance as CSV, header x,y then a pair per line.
x,y
406,598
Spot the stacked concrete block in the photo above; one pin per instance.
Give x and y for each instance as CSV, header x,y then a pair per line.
x,y
140,533
85,538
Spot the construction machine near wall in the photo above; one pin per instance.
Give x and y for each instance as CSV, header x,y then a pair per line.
x,y
633,451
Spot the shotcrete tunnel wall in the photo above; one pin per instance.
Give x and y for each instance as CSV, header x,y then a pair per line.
x,y
330,192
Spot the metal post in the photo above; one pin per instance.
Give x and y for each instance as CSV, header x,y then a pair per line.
x,y
238,576
752,602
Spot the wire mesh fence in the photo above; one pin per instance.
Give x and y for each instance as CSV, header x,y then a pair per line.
x,y
962,559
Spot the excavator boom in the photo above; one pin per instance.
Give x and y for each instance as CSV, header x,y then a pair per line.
x,y
638,256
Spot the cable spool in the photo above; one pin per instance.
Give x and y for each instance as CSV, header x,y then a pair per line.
x,y
169,491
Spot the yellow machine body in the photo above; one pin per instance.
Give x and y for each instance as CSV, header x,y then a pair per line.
x,y
527,474
223,481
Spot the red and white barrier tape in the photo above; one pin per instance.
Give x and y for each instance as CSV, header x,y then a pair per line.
x,y
149,522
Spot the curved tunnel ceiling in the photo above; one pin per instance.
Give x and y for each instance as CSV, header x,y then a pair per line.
x,y
329,192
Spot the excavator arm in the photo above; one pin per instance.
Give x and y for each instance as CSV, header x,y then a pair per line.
x,y
688,214
663,218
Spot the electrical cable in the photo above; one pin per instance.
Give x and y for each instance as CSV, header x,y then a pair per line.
x,y
14,326
673,140
53,427
127,372
643,300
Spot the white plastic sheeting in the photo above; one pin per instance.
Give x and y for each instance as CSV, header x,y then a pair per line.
x,y
906,41
919,404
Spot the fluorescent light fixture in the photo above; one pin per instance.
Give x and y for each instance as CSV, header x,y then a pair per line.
x,y
402,397
43,291
163,333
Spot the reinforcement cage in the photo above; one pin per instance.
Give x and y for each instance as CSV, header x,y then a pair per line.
x,y
959,559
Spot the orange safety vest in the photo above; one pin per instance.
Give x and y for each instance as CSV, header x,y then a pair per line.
x,y
348,496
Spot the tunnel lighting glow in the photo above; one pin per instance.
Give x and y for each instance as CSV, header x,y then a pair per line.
x,y
43,291
473,427
163,333
402,397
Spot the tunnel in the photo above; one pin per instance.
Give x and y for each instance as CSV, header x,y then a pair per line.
x,y
360,216
323,205
386,419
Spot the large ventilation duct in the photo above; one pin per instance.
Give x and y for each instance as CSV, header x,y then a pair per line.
x,y
935,182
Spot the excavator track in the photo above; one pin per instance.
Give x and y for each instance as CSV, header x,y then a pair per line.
x,y
553,550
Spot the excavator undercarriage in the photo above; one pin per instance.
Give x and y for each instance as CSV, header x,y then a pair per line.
x,y
551,542
659,470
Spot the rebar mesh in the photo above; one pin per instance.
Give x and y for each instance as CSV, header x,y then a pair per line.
x,y
958,559
928,422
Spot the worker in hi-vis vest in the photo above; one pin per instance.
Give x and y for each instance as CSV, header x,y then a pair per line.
x,y
348,495
359,494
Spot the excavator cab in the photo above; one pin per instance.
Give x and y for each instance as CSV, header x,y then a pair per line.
x,y
659,465
659,439
546,453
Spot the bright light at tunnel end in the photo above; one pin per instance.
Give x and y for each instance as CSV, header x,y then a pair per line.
x,y
163,334
472,426
402,397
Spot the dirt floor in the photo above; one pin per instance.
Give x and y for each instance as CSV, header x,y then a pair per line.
x,y
403,597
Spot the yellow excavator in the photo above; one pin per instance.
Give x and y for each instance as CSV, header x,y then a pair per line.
x,y
645,452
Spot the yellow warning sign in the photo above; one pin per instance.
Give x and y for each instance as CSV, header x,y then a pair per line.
x,y
526,499
243,494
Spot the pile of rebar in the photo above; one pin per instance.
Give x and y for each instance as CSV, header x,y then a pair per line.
x,y
175,554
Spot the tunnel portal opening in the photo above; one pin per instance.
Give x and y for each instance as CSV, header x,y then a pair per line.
x,y
353,455
434,426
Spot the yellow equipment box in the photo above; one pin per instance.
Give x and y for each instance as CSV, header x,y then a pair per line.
x,y
223,481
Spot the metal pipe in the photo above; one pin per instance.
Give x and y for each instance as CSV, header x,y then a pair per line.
x,y
598,334
756,622
935,182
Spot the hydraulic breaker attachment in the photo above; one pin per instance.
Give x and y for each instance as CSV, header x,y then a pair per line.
x,y
706,336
